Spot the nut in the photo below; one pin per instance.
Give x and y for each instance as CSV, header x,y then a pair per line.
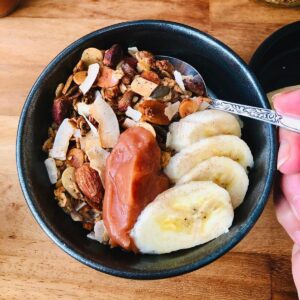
x,y
165,158
61,109
69,182
112,92
125,101
75,158
131,61
113,56
67,84
79,77
151,76
89,183
79,67
59,89
187,107
165,68
145,60
126,80
91,56
128,70
153,111
194,85
108,78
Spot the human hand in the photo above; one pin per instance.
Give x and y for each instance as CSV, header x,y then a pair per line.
x,y
287,199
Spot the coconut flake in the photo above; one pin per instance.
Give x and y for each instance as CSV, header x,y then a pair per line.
x,y
77,134
133,114
100,233
132,51
51,169
168,140
179,80
80,206
109,130
203,106
62,138
123,88
147,126
172,109
202,103
84,139
118,74
84,110
76,216
92,74
128,123
97,157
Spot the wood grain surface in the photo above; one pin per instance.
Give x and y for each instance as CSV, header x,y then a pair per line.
x,y
31,266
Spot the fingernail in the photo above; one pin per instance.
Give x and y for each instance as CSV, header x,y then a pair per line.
x,y
296,237
283,153
296,206
296,249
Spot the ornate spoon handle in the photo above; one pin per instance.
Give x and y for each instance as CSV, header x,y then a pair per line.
x,y
261,114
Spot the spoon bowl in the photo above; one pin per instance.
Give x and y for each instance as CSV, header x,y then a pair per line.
x,y
257,113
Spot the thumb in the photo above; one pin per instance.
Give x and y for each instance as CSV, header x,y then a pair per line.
x,y
289,152
288,103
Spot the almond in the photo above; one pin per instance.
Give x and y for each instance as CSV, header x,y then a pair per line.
x,y
75,158
89,183
128,70
125,101
154,112
151,76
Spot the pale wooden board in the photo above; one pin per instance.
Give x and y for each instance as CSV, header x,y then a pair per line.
x,y
31,266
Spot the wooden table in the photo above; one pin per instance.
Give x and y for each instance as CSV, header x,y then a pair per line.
x,y
31,266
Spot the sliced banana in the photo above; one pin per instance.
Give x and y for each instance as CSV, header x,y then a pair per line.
x,y
223,171
202,124
221,145
182,217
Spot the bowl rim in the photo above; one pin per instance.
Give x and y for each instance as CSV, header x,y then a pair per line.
x,y
245,228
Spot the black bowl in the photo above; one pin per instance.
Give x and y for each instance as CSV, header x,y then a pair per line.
x,y
276,62
226,75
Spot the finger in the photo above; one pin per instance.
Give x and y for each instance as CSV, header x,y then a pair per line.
x,y
296,266
288,103
287,219
289,152
290,186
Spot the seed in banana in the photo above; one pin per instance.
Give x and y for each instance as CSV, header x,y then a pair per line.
x,y
202,124
222,145
182,217
223,171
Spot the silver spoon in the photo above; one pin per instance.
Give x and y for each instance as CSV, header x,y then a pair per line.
x,y
261,114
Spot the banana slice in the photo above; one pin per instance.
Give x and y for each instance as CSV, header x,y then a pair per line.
x,y
221,145
182,217
223,171
200,125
